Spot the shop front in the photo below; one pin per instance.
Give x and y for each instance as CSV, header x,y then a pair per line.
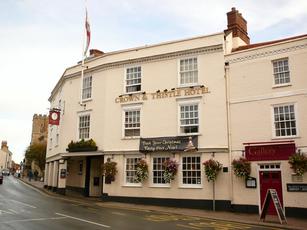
x,y
271,161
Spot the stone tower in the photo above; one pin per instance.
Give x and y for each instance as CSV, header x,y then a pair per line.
x,y
39,128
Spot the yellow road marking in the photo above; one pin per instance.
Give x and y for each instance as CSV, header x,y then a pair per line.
x,y
186,226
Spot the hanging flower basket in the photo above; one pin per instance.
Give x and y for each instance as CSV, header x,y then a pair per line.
x,y
212,169
109,171
141,171
82,146
170,170
241,167
298,163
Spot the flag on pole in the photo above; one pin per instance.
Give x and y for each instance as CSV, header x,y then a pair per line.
x,y
88,33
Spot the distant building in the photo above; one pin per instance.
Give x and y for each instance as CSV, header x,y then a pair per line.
x,y
39,135
39,128
5,156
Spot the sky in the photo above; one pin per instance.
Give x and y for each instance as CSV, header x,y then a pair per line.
x,y
39,39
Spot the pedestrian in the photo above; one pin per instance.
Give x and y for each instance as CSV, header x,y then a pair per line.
x,y
30,175
35,175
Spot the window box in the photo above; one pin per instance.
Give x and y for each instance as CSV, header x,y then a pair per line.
x,y
82,146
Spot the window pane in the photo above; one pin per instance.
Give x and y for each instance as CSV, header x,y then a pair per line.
x,y
285,123
158,170
133,79
188,71
191,170
281,71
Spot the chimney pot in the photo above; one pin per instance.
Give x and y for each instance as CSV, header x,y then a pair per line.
x,y
95,52
237,25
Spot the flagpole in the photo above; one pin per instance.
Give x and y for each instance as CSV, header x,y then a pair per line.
x,y
82,62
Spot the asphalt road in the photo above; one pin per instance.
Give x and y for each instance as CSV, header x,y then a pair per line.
x,y
24,208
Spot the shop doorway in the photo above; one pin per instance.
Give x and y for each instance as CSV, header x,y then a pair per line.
x,y
270,180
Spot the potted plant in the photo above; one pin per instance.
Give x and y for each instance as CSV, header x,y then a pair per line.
x,y
141,171
241,167
298,162
170,170
109,171
82,145
212,168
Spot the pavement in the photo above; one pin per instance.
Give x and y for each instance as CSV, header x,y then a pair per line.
x,y
270,221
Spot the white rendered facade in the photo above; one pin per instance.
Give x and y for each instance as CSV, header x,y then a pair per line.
x,y
173,90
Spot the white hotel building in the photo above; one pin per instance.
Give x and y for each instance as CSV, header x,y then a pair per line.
x,y
232,98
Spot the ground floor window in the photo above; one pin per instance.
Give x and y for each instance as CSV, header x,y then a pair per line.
x,y
191,170
158,170
130,171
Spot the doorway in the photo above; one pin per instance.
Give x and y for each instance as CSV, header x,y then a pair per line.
x,y
95,183
270,180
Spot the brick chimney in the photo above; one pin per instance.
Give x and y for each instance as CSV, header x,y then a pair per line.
x,y
237,25
4,146
95,52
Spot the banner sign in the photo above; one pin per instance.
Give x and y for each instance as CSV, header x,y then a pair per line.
x,y
269,152
169,144
54,117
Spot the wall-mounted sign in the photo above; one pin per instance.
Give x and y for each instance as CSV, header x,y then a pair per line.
x,y
54,117
143,96
169,144
96,181
297,187
63,173
251,182
269,152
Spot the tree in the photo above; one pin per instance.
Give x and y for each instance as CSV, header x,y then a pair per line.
x,y
37,152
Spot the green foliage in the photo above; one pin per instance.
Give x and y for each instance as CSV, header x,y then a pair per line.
x,y
212,169
241,167
170,170
141,171
37,152
89,145
109,169
298,163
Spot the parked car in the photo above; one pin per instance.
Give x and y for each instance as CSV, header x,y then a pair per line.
x,y
1,178
5,172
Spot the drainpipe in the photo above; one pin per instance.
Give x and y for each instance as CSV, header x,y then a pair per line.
x,y
229,137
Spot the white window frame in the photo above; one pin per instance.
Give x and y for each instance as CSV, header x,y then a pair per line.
x,y
90,88
129,109
50,143
167,185
187,102
125,81
50,133
273,121
78,125
126,183
275,73
179,72
182,185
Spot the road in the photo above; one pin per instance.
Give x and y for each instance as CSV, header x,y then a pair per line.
x,y
24,208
